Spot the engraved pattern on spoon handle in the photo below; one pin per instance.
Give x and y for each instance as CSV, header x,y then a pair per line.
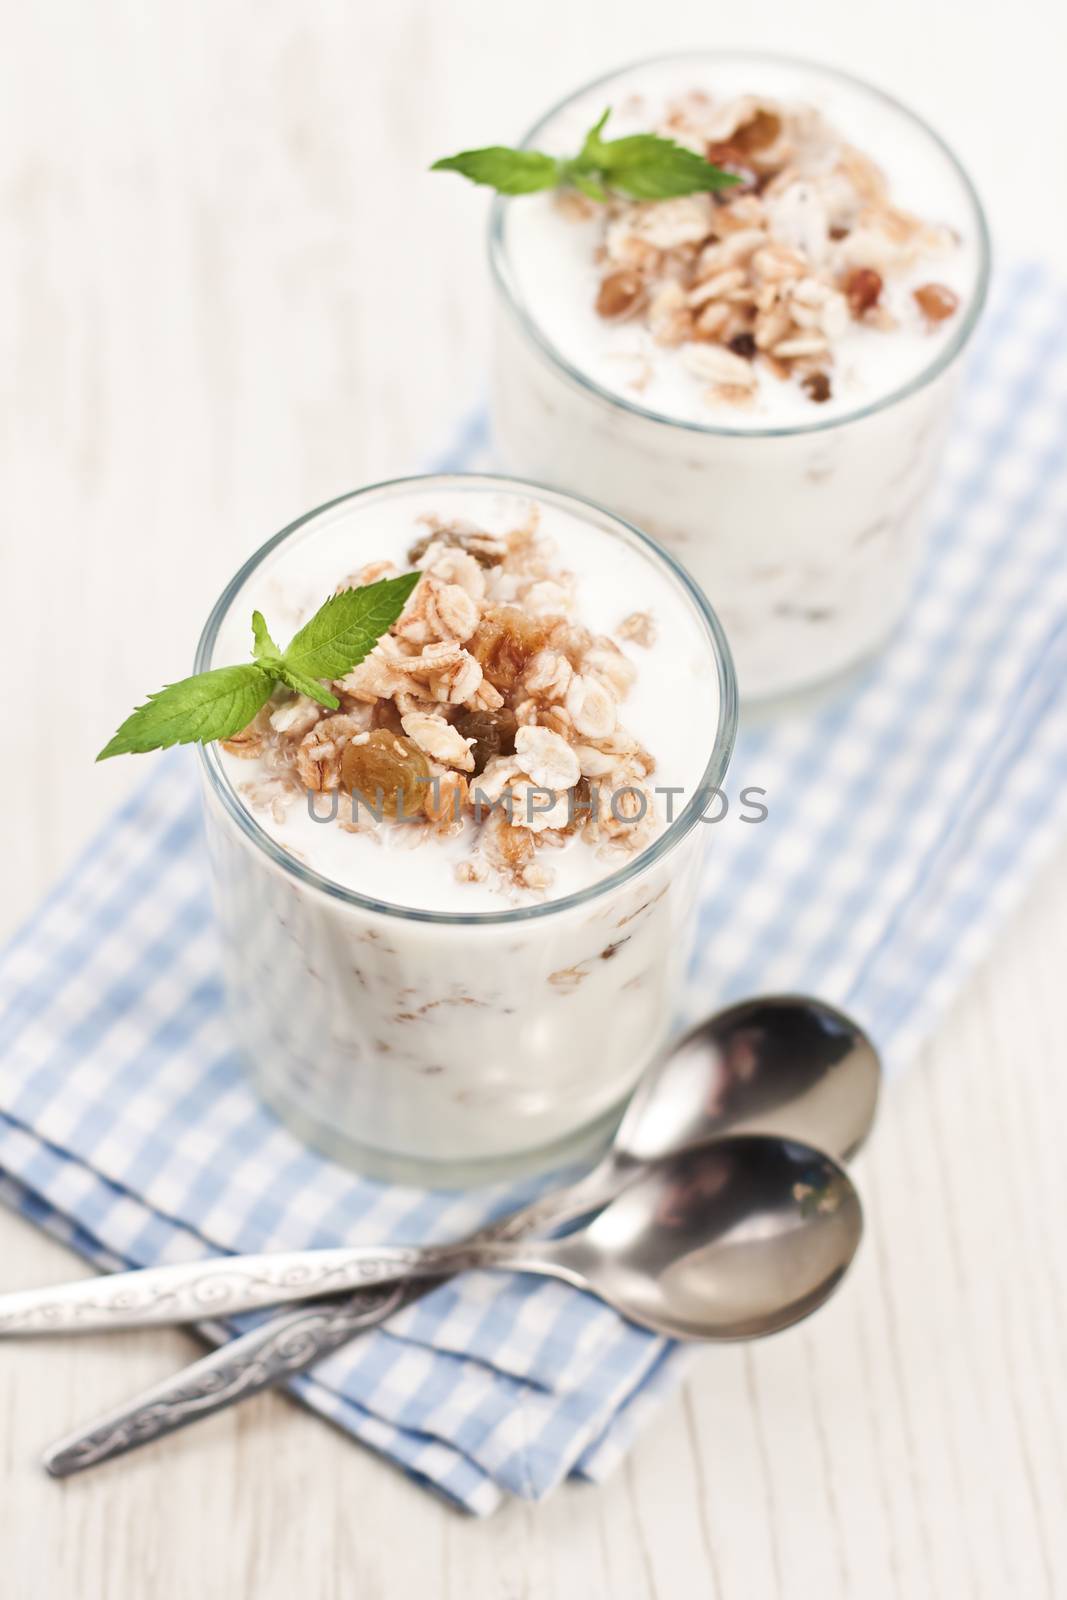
x,y
228,1285
197,1290
290,1344
240,1368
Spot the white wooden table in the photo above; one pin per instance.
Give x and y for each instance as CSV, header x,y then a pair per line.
x,y
228,291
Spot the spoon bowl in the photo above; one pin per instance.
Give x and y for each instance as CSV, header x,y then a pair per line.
x,y
786,1064
733,1241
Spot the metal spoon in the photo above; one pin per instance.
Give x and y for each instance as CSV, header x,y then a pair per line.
x,y
785,1064
734,1241
747,1188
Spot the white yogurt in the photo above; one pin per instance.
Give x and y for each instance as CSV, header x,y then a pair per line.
x,y
447,1035
803,520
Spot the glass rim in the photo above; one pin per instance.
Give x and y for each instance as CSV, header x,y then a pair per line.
x,y
715,770
946,354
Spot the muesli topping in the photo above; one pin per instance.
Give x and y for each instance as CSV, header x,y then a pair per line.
x,y
488,709
769,274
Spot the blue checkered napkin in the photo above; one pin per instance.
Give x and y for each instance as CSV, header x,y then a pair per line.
x,y
906,816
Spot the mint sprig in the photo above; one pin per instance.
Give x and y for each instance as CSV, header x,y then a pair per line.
x,y
505,170
263,646
641,166
211,705
218,704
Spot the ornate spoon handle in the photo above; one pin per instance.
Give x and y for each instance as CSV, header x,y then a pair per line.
x,y
241,1367
193,1291
225,1286
290,1344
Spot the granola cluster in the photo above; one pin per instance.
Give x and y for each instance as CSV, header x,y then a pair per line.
x,y
772,272
488,710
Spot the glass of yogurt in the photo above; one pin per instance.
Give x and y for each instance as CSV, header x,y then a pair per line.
x,y
455,912
761,378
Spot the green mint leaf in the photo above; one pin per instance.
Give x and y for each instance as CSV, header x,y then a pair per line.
x,y
263,647
644,166
312,687
640,165
218,704
587,186
347,627
503,169
589,154
211,705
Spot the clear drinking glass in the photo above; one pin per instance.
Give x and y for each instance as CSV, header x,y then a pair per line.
x,y
447,1048
806,537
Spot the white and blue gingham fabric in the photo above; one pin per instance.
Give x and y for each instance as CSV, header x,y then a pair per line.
x,y
906,816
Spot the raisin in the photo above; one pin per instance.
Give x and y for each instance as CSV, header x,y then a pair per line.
x,y
420,547
445,798
759,133
385,714
744,345
621,295
579,807
385,771
936,301
505,641
493,733
863,288
506,847
817,385
485,548
515,848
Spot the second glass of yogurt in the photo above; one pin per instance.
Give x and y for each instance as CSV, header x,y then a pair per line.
x,y
762,378
456,911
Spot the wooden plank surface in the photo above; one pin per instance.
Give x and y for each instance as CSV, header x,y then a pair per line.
x,y
228,290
